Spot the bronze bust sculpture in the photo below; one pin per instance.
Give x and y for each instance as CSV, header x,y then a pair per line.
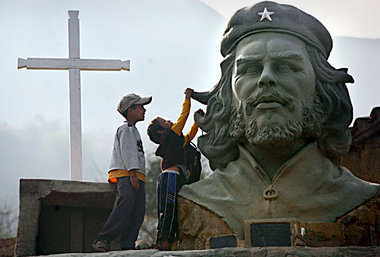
x,y
276,123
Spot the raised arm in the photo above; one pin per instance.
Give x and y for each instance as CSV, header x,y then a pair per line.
x,y
194,129
177,127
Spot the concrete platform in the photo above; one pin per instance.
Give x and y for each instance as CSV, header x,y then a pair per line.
x,y
243,252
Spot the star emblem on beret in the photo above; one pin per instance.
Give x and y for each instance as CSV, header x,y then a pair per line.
x,y
265,14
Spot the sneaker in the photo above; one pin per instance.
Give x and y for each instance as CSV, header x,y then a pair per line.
x,y
164,245
101,245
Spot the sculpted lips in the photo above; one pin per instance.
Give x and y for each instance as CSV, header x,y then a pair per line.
x,y
266,102
269,101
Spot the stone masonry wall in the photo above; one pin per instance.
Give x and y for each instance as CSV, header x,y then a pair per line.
x,y
364,157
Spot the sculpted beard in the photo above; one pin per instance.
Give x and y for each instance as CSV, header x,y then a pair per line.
x,y
292,130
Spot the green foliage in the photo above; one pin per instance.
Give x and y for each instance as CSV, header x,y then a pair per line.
x,y
153,171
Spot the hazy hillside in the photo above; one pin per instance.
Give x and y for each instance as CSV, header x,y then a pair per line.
x,y
362,58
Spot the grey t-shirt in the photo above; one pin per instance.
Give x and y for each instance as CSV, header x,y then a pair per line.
x,y
128,152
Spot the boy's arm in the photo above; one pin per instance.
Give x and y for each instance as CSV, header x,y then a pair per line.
x,y
128,148
129,154
194,129
191,133
134,180
177,127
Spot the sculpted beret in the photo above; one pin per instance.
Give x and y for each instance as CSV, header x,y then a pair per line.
x,y
273,17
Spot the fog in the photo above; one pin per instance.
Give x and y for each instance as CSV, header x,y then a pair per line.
x,y
171,44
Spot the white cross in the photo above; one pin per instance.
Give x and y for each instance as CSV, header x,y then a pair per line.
x,y
74,64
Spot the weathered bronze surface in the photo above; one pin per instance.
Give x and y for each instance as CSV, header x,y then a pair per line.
x,y
276,125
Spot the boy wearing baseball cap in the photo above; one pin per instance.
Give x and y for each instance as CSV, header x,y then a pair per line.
x,y
171,142
127,170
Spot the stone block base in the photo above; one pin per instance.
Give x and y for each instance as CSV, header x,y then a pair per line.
x,y
57,216
360,227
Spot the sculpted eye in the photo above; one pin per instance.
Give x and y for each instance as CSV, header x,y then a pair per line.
x,y
283,67
253,69
249,69
286,67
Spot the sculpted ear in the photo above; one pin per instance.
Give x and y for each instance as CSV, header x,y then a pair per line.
x,y
160,131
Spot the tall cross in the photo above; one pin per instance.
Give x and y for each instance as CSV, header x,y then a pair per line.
x,y
74,64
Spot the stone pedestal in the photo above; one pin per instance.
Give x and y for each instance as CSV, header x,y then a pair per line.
x,y
244,252
360,227
57,216
197,225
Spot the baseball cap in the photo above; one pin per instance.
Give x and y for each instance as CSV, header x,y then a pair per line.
x,y
132,99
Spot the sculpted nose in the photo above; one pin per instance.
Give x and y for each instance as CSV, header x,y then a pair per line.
x,y
266,78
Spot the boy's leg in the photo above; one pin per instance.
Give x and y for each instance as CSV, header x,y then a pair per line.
x,y
158,196
129,236
161,196
179,184
167,189
118,220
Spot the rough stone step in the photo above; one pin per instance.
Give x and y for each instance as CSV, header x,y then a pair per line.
x,y
240,252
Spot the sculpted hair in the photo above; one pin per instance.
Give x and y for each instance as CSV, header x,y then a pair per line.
x,y
334,138
217,145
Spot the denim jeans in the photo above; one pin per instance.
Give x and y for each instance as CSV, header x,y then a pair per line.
x,y
127,216
168,186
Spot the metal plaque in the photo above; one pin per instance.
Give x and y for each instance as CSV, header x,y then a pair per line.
x,y
270,234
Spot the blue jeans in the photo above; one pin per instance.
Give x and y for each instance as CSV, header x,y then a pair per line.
x,y
168,186
127,216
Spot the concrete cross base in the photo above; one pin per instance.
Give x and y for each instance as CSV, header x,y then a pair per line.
x,y
58,216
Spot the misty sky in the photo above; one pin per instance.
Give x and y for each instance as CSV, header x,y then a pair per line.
x,y
172,44
342,17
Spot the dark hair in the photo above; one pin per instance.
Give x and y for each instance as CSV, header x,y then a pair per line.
x,y
335,137
153,129
125,113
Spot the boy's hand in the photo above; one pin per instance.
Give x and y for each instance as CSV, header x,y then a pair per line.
x,y
188,92
134,181
201,112
198,115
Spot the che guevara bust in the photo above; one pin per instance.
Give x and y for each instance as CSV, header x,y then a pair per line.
x,y
276,124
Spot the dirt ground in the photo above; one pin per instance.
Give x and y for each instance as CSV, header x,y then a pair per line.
x,y
7,247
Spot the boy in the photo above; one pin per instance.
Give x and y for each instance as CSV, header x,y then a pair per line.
x,y
127,170
171,142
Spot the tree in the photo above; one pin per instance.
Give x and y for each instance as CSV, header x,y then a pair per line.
x,y
8,220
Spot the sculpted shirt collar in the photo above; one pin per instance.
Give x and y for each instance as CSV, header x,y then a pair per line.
x,y
297,157
302,168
